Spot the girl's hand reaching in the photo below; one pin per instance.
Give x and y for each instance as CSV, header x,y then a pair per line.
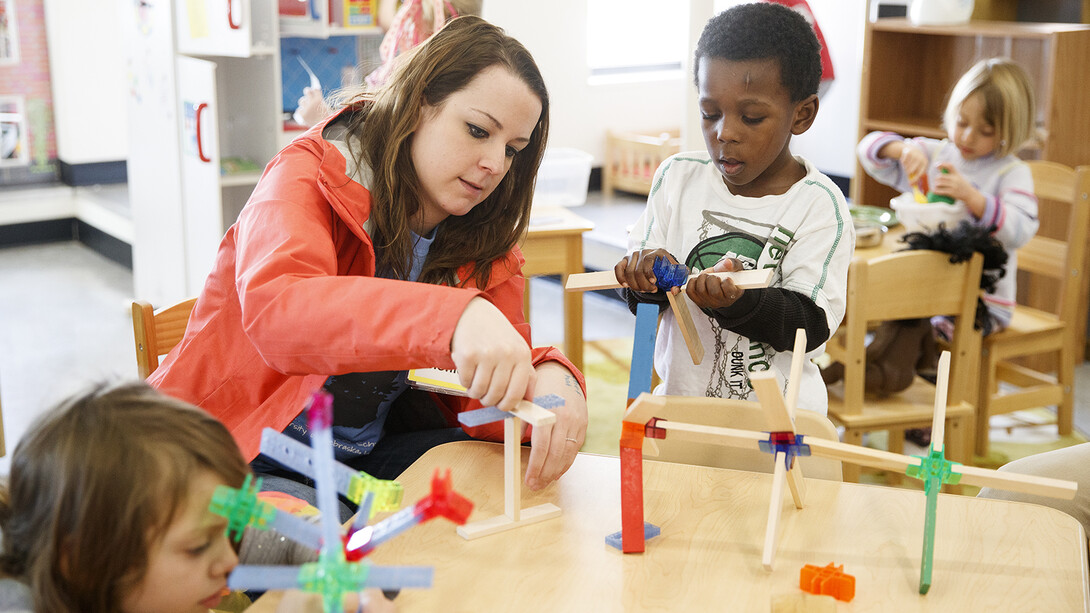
x,y
492,358
952,183
913,161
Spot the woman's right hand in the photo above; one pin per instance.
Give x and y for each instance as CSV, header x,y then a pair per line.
x,y
492,358
635,271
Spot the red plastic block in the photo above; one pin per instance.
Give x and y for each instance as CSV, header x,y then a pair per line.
x,y
631,435
632,540
827,581
652,429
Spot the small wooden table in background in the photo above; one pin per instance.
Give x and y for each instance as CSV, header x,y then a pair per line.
x,y
554,246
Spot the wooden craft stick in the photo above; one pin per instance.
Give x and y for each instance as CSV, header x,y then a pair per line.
x,y
775,504
512,468
779,420
680,306
1014,482
856,454
745,439
768,392
798,354
607,279
644,407
938,422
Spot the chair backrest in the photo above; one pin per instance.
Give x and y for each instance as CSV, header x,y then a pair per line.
x,y
744,415
909,285
1062,262
156,333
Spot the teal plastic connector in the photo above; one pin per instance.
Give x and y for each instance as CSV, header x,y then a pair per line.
x,y
934,470
333,578
241,507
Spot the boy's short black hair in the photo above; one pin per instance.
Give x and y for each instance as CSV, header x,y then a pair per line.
x,y
764,30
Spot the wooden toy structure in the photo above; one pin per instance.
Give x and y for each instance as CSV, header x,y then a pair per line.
x,y
340,569
446,381
668,278
648,418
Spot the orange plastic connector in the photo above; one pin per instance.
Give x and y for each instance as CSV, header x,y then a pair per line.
x,y
827,581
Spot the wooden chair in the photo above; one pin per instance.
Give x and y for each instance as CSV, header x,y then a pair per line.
x,y
1051,333
907,285
743,415
156,333
631,160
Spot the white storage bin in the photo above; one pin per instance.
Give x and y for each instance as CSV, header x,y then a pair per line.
x,y
563,178
926,217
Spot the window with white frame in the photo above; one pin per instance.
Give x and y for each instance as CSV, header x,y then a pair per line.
x,y
636,36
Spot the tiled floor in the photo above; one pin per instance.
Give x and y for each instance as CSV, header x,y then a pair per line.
x,y
65,321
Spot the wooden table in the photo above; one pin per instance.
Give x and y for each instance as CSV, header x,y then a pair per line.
x,y
554,246
990,555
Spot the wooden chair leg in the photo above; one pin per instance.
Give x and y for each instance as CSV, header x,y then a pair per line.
x,y
896,444
956,447
851,471
1065,374
989,386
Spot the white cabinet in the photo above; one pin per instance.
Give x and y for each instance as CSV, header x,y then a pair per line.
x,y
235,28
205,117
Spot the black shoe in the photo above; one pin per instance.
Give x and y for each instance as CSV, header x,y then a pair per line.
x,y
919,436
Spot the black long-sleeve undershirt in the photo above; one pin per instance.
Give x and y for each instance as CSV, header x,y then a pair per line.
x,y
768,315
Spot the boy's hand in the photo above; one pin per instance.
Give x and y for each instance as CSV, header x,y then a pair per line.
x,y
634,271
708,292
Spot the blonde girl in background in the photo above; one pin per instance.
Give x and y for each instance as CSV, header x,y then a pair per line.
x,y
106,509
989,117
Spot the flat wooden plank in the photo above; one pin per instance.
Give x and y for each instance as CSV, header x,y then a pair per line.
x,y
680,306
502,523
607,279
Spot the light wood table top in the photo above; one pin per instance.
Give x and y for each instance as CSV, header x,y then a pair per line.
x,y
990,555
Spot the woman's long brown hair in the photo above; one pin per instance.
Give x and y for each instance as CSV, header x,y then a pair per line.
x,y
385,122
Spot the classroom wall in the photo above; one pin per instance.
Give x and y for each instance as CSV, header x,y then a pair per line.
x,y
89,88
555,33
830,141
88,68
582,112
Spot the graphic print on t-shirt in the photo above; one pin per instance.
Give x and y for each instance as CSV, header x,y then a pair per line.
x,y
721,236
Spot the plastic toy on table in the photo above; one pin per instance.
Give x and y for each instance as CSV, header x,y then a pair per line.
x,y
338,571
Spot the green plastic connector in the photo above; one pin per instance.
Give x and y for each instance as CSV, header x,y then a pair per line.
x,y
934,470
933,197
388,494
241,507
332,577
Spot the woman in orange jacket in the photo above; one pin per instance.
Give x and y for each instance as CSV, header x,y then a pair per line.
x,y
381,240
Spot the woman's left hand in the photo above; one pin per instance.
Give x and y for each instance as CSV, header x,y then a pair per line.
x,y
553,448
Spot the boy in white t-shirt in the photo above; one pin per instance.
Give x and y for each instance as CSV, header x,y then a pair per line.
x,y
747,203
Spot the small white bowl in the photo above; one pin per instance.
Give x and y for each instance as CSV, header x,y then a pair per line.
x,y
926,217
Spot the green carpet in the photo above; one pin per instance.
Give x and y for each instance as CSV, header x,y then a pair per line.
x,y
606,366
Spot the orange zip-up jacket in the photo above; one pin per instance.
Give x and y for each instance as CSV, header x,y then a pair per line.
x,y
293,298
